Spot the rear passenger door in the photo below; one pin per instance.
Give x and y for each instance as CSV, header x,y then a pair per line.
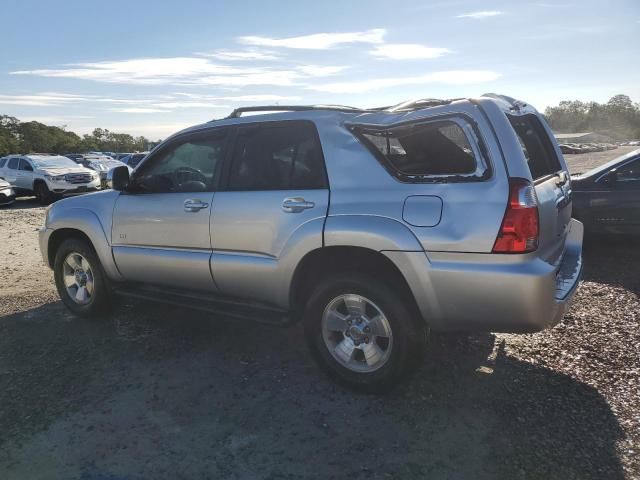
x,y
617,206
271,210
11,170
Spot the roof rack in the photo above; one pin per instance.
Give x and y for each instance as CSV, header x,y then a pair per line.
x,y
419,103
295,108
401,107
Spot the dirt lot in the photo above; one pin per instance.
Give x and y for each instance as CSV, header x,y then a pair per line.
x,y
156,392
580,163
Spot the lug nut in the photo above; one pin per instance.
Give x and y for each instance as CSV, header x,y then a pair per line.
x,y
359,321
367,329
349,322
366,339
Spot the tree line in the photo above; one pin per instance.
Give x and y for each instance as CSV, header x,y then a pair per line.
x,y
32,137
619,118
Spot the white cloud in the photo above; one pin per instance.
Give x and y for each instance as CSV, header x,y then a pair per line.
x,y
317,41
407,51
481,14
189,104
142,71
451,77
42,99
320,70
138,110
240,98
241,55
171,71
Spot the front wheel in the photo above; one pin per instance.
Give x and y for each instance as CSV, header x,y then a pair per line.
x,y
362,332
80,280
43,194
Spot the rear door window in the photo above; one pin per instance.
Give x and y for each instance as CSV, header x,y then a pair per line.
x,y
277,157
536,145
424,151
13,163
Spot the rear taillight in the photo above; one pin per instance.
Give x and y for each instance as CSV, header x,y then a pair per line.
x,y
519,230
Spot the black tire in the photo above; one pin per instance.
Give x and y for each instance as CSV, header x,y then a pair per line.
x,y
409,332
100,299
43,194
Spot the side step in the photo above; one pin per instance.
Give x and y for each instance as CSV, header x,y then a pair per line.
x,y
207,302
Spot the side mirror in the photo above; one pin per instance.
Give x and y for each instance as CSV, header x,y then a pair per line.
x,y
118,178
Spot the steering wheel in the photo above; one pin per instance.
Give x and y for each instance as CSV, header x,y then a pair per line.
x,y
188,174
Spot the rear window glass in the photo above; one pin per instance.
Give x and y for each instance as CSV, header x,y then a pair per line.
x,y
536,145
419,151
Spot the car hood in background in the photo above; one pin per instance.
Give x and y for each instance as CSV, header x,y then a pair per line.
x,y
63,170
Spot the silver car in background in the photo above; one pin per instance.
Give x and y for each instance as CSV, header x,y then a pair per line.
x,y
373,227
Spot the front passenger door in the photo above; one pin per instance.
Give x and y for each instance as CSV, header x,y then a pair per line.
x,y
160,228
617,208
24,176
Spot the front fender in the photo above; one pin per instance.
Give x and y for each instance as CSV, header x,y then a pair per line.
x,y
87,222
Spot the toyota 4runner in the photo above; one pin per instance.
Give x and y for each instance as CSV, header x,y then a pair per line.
x,y
371,226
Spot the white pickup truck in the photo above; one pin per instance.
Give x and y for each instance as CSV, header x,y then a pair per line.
x,y
47,176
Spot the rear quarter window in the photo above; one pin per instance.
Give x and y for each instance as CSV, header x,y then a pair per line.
x,y
536,145
427,151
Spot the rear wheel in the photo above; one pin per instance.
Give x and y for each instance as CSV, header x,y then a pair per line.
x,y
43,194
80,280
362,332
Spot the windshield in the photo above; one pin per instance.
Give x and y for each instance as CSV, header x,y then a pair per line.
x,y
53,162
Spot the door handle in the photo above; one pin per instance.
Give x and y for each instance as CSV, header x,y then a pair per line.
x,y
194,205
296,204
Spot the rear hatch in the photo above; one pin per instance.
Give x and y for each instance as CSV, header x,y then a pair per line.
x,y
551,180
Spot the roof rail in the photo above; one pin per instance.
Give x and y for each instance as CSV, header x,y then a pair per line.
x,y
418,104
293,108
515,103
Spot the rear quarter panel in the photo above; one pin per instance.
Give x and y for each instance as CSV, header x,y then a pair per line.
x,y
471,211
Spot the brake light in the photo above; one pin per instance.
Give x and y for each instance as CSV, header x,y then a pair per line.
x,y
519,230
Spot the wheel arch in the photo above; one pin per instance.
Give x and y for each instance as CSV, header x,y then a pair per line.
x,y
325,261
81,223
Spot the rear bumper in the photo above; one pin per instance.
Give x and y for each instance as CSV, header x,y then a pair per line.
x,y
499,293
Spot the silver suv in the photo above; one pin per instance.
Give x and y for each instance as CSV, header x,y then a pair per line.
x,y
48,177
371,226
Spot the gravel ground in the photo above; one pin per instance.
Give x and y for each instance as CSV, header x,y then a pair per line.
x,y
156,392
581,162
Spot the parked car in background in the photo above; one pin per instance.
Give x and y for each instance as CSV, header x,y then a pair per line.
x,y
120,156
404,245
48,177
565,148
101,164
607,198
133,159
7,194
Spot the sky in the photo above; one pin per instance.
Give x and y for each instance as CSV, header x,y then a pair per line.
x,y
152,68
